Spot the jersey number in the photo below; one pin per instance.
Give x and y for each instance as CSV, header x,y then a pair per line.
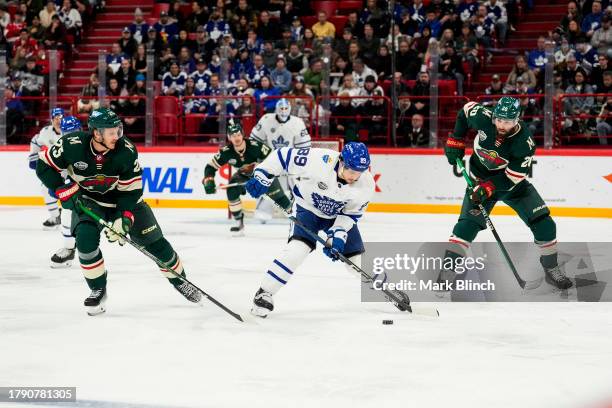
x,y
301,158
58,148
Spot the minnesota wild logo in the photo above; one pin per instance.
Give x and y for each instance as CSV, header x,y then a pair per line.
x,y
491,159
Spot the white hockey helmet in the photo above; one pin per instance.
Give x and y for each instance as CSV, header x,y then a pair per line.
x,y
283,110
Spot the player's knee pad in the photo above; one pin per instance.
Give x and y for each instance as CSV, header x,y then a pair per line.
x,y
544,228
87,237
285,265
233,193
467,230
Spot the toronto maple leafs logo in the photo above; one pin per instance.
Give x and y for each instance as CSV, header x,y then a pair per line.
x,y
280,142
326,205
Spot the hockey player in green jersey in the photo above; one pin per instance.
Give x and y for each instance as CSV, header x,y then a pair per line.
x,y
503,152
104,174
242,155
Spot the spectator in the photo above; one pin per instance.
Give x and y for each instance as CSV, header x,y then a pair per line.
x,y
421,43
417,135
569,72
297,30
382,63
139,28
467,9
173,82
404,112
28,44
563,53
115,93
176,16
308,42
139,87
14,117
412,18
126,76
375,118
185,62
314,75
354,24
537,57
342,45
376,17
285,42
89,95
520,70
484,27
13,29
604,122
602,37
586,55
448,37
166,28
139,61
257,71
597,75
361,72
253,44
280,76
323,28
577,108
269,55
127,43
302,105
213,107
467,46
216,26
592,22
369,44
573,14
496,88
113,60
349,88
46,14
266,93
573,32
201,76
421,89
407,60
343,118
36,30
288,13
450,67
432,22
296,60
497,12
400,86
354,52
134,115
198,17
244,10
33,79
55,34
71,18
340,67
204,46
154,41
267,30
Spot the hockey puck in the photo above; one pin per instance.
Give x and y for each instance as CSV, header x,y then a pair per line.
x,y
387,321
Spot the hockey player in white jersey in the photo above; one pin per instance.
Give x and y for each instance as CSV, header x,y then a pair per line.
x,y
46,138
332,191
277,130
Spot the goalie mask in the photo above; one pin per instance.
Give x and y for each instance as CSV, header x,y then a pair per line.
x,y
283,110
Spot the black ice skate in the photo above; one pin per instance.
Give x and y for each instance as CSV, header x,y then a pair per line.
x,y
556,277
62,258
95,302
189,291
52,223
237,229
263,303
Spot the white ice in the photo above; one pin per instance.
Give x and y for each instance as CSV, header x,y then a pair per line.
x,y
320,347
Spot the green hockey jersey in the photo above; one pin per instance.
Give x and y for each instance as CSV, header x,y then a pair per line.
x,y
111,179
255,152
505,161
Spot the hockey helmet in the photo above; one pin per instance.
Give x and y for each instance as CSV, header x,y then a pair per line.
x,y
283,110
57,112
507,108
233,126
104,118
355,156
70,124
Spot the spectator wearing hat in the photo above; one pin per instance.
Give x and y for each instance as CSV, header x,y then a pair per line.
x,y
127,43
371,88
602,37
342,45
285,41
323,28
216,27
494,89
154,40
280,75
586,55
173,81
592,21
139,87
201,76
267,30
46,14
204,46
166,28
313,76
139,27
297,29
269,54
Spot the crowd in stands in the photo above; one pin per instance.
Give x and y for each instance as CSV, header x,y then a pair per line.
x,y
26,34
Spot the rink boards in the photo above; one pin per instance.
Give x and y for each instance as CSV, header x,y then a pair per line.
x,y
576,183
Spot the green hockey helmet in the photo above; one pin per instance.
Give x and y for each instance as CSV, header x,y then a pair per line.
x,y
233,126
104,118
507,108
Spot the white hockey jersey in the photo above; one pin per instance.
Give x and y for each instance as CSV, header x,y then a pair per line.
x,y
47,137
317,187
275,134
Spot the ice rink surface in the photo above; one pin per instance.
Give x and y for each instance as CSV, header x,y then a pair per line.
x,y
320,347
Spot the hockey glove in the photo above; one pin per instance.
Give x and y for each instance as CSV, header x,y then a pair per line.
x,y
336,239
70,196
121,227
209,185
482,191
259,184
454,149
32,160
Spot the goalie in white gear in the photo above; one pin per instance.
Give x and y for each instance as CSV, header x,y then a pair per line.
x,y
46,138
277,130
332,191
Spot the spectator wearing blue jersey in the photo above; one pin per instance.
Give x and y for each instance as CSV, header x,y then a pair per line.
x,y
201,76
415,12
139,27
185,62
537,57
192,104
216,26
263,93
253,43
280,75
213,105
167,29
586,55
467,9
113,60
173,81
432,22
592,22
257,71
497,12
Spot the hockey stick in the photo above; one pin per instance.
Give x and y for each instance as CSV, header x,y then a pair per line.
x,y
522,283
226,186
398,298
108,225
